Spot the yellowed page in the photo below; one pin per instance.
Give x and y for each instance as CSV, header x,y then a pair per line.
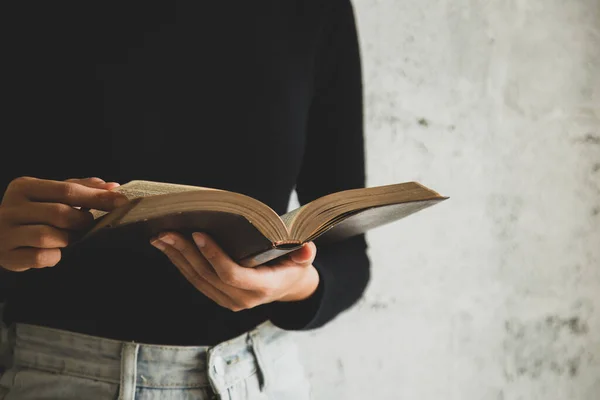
x,y
138,188
289,218
135,189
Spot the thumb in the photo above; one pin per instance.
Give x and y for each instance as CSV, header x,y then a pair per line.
x,y
305,254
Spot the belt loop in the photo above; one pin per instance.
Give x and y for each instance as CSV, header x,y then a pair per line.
x,y
7,346
258,347
129,355
216,370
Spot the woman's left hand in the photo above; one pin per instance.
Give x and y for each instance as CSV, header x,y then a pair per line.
x,y
206,266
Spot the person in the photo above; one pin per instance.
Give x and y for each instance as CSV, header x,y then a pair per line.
x,y
259,98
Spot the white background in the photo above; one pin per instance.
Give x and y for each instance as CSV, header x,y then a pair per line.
x,y
494,294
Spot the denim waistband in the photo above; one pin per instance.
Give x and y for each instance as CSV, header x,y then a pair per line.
x,y
148,365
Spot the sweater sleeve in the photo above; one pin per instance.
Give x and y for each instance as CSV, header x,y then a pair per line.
x,y
6,277
333,161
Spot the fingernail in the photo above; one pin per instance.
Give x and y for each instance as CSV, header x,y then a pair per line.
x,y
167,239
199,239
158,244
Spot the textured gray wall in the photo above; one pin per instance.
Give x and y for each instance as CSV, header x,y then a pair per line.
x,y
494,294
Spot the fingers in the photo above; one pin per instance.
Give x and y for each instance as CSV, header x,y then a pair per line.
x,y
39,236
71,193
36,216
186,250
55,214
190,273
25,258
192,255
228,270
215,274
209,290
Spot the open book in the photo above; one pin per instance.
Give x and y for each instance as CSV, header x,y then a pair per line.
x,y
247,229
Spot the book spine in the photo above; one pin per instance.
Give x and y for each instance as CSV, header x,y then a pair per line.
x,y
265,256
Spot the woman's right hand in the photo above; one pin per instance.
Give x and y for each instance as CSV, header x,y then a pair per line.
x,y
36,216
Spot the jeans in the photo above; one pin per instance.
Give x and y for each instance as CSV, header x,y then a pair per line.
x,y
46,363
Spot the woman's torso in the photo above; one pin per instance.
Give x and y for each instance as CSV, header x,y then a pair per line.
x,y
209,94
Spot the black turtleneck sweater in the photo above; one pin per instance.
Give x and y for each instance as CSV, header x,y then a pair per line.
x,y
256,97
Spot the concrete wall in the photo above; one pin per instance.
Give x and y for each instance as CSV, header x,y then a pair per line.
x,y
495,294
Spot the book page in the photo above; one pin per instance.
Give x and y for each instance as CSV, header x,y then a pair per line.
x,y
328,210
138,188
135,189
288,219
